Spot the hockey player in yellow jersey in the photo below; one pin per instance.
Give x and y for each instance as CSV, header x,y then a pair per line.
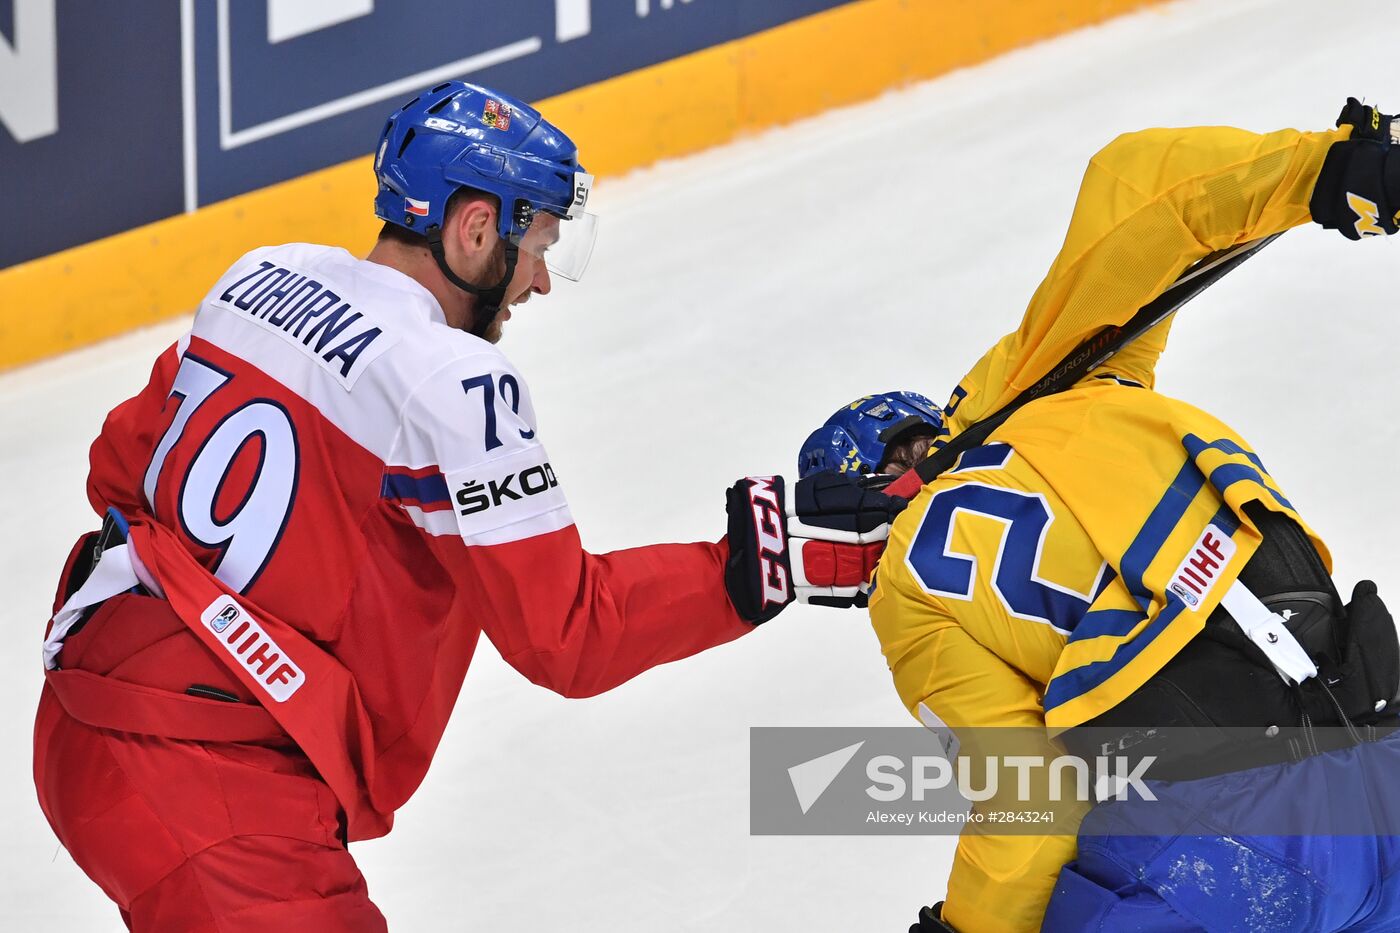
x,y
1082,567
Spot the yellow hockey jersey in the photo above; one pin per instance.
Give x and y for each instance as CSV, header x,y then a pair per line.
x,y
1056,568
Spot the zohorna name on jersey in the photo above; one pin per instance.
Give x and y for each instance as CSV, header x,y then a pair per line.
x,y
309,315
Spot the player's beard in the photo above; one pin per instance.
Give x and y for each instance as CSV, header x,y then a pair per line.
x,y
495,331
496,270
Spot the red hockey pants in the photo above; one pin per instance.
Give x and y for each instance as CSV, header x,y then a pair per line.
x,y
192,836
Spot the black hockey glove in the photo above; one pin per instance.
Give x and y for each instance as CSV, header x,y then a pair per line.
x,y
931,921
1370,666
817,544
1358,189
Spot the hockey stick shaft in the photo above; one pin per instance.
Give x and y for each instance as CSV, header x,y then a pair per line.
x,y
1099,349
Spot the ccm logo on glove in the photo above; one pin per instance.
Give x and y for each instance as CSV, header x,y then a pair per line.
x,y
769,539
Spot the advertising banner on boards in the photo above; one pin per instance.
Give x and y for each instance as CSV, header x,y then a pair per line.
x,y
117,115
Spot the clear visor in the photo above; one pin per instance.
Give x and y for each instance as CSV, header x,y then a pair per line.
x,y
564,245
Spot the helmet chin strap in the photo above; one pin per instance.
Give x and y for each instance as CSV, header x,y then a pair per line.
x,y
488,304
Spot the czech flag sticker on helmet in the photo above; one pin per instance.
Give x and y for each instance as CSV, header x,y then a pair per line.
x,y
496,115
416,207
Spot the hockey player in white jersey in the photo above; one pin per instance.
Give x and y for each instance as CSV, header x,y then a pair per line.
x,y
328,490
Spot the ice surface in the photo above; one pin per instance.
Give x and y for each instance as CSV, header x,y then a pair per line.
x,y
735,299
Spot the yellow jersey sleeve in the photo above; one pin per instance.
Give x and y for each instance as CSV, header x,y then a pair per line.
x,y
1150,205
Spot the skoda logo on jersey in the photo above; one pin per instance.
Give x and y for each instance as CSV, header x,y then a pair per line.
x,y
224,619
475,496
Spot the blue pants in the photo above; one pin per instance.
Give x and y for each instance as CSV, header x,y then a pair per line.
x,y
1310,846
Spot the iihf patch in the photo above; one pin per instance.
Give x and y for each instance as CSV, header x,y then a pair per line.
x,y
250,646
1201,569
496,115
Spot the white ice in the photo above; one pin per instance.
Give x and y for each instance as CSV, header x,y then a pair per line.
x,y
736,298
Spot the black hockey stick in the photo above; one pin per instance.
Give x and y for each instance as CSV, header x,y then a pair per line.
x,y
1098,349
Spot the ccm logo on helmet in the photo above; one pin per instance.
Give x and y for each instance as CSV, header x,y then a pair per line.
x,y
476,497
772,543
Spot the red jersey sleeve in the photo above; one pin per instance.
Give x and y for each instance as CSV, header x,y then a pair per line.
x,y
575,622
122,451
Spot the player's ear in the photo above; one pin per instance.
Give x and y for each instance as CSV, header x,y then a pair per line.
x,y
474,221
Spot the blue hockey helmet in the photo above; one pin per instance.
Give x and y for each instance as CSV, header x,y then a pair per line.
x,y
854,439
460,135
